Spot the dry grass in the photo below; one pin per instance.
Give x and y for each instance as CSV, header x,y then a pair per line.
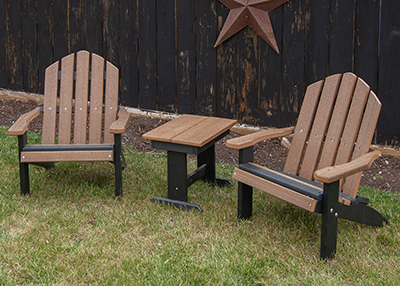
x,y
71,230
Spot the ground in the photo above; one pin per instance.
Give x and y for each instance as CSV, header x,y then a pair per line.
x,y
383,174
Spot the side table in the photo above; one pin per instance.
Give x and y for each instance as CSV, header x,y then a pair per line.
x,y
189,134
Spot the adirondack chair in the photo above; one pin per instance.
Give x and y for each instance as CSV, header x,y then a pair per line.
x,y
327,154
67,86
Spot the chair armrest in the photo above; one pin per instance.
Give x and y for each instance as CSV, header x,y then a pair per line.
x,y
21,125
253,138
335,173
119,126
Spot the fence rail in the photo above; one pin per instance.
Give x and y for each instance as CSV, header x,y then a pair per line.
x,y
165,53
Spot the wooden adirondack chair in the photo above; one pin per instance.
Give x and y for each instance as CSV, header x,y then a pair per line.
x,y
327,155
67,86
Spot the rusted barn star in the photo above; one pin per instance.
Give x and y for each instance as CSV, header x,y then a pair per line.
x,y
253,13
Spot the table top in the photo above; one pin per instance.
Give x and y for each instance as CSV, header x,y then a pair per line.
x,y
192,130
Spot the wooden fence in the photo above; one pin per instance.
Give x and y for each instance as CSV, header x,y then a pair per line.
x,y
165,53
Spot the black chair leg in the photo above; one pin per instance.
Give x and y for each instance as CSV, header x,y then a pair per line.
x,y
118,164
329,220
245,201
24,178
245,192
23,167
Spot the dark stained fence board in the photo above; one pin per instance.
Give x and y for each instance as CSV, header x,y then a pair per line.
x,y
15,45
147,54
366,42
29,44
44,39
317,45
77,25
292,61
227,69
389,73
341,37
248,76
94,26
111,51
3,46
129,60
206,58
166,57
271,74
186,53
60,29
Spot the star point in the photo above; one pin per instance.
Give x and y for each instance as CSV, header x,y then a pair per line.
x,y
252,13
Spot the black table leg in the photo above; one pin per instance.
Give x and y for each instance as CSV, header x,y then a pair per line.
x,y
177,174
208,157
177,182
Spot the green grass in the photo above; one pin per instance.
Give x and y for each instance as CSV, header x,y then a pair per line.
x,y
71,230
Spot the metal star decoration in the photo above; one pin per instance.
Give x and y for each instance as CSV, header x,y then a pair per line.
x,y
253,13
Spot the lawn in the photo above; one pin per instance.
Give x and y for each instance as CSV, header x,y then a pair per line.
x,y
72,230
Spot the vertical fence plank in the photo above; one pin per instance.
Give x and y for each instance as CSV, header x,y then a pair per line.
x,y
29,55
3,45
77,25
389,73
15,45
94,27
44,39
366,41
147,54
293,61
60,27
111,38
248,76
227,69
129,61
341,37
186,62
206,58
317,44
271,74
166,55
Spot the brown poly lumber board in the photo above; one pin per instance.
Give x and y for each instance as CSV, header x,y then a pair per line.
x,y
192,130
63,156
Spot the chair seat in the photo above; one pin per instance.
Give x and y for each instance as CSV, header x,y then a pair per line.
x,y
290,183
67,153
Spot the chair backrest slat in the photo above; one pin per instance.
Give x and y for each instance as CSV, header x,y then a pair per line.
x,y
320,125
303,127
96,99
339,116
81,97
367,130
66,96
111,101
50,104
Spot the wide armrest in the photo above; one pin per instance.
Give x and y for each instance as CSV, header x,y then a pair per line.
x,y
21,125
119,126
334,173
253,138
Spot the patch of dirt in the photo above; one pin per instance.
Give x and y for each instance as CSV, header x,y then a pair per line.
x,y
384,173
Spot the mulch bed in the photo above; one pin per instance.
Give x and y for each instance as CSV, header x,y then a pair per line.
x,y
384,173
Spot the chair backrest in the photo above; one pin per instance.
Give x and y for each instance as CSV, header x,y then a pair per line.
x,y
69,84
336,124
